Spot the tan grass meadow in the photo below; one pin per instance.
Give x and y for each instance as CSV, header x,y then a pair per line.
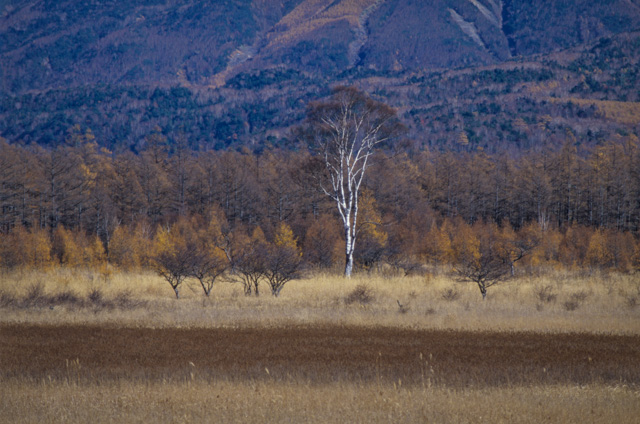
x,y
556,301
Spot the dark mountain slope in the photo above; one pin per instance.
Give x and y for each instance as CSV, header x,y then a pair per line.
x,y
542,26
439,34
586,94
67,43
52,44
230,73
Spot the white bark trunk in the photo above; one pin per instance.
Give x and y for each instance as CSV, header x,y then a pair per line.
x,y
348,268
352,127
349,248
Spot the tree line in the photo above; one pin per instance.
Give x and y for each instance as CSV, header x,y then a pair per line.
x,y
81,186
583,205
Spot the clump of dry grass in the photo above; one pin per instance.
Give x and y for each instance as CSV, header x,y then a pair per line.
x,y
450,294
575,300
361,294
545,294
37,298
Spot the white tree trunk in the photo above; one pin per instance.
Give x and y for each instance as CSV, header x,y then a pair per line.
x,y
350,127
348,268
349,249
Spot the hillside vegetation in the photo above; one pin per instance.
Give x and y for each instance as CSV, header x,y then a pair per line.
x,y
465,74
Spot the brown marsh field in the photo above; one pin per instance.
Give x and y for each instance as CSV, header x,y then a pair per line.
x,y
78,346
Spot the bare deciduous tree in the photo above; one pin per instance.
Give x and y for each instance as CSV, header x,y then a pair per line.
x,y
250,264
175,265
490,257
207,266
283,265
486,270
247,258
344,132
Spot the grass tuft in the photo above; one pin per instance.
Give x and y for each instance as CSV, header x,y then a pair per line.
x,y
361,294
95,296
545,294
35,296
576,300
450,294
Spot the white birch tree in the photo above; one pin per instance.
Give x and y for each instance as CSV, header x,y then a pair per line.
x,y
344,132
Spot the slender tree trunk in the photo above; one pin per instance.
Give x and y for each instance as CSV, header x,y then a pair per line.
x,y
350,241
348,268
483,290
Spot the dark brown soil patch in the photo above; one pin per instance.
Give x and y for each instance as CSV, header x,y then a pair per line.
x,y
317,355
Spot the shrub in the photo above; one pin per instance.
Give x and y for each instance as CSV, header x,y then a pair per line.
x,y
66,297
6,300
575,300
545,294
450,294
95,296
361,294
35,295
123,300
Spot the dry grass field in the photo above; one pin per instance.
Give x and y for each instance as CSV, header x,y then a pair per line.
x,y
276,402
78,346
558,301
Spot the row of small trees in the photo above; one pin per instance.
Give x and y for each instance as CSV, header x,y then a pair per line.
x,y
207,250
194,248
211,252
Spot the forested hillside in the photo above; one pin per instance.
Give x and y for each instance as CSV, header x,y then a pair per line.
x,y
465,74
70,43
